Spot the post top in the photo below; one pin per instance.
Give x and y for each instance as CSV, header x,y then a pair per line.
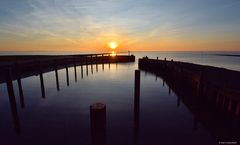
x,y
98,106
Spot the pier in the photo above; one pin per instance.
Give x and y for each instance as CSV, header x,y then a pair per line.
x,y
26,65
218,87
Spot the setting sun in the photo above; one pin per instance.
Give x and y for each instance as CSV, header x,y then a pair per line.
x,y
113,44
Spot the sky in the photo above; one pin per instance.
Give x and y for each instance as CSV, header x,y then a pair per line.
x,y
136,25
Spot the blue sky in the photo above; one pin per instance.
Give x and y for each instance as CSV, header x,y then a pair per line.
x,y
84,24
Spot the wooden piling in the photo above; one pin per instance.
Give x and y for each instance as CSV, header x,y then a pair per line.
x,y
42,85
91,64
12,100
86,62
81,70
75,73
97,63
20,92
98,123
67,76
91,69
137,84
136,105
57,80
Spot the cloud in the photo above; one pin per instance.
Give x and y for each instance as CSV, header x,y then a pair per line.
x,y
76,22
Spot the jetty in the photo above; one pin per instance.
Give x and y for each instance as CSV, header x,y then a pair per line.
x,y
20,66
218,87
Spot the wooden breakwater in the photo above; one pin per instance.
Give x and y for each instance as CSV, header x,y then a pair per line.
x,y
27,65
218,86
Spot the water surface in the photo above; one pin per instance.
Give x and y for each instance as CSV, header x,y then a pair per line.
x,y
63,116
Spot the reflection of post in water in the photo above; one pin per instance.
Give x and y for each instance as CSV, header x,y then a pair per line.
x,y
67,76
97,66
91,64
87,70
98,123
21,92
136,105
86,66
102,62
92,68
102,66
75,72
96,61
57,80
12,100
42,85
81,68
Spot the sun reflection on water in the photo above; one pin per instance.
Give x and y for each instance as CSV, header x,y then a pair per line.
x,y
113,54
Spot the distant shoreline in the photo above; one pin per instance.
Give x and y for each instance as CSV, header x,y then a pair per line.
x,y
233,55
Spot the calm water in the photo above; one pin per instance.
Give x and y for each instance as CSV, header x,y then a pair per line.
x,y
63,117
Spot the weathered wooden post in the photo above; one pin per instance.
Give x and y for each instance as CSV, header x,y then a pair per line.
x,y
102,65
136,105
81,70
91,60
91,64
42,85
86,66
18,69
102,58
165,63
96,61
67,76
57,80
21,92
75,72
137,84
157,58
98,123
12,100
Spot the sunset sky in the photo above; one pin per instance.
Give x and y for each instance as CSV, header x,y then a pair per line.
x,y
145,25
